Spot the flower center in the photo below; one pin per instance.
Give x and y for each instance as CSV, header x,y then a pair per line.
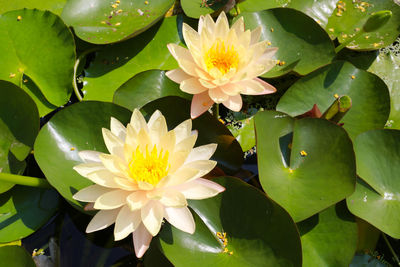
x,y
221,57
151,167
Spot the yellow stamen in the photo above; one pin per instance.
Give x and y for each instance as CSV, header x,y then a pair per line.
x,y
303,153
151,167
221,57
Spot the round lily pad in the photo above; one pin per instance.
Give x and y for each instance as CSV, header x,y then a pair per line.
x,y
258,231
229,154
76,128
244,133
329,238
369,95
376,197
116,64
55,6
25,209
19,125
304,165
103,22
15,256
258,5
38,44
196,8
303,45
146,87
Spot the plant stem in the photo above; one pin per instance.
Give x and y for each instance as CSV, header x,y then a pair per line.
x,y
391,249
215,110
77,62
344,44
24,180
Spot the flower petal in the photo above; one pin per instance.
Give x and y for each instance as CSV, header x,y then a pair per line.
x,y
184,58
257,87
200,189
183,130
141,240
181,218
182,175
114,164
217,95
126,183
192,86
111,200
89,156
114,145
91,193
137,200
177,75
144,141
255,35
137,121
157,127
204,166
85,168
221,26
118,128
201,153
126,222
152,216
231,89
233,103
131,136
167,142
101,220
191,37
103,178
181,151
173,198
200,104
238,26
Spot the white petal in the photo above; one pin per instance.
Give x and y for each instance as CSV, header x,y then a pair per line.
x,y
152,216
91,193
180,176
255,35
168,141
238,26
114,164
217,95
104,178
204,166
131,136
157,127
111,200
183,130
191,37
181,151
173,198
177,75
118,128
221,26
89,156
126,183
137,200
126,222
144,141
233,103
137,121
184,58
181,218
85,168
141,240
201,153
200,189
257,87
114,145
192,86
200,104
101,220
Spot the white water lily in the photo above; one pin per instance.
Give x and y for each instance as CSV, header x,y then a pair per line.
x,y
221,63
148,176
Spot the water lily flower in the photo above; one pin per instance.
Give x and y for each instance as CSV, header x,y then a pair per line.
x,y
221,63
148,176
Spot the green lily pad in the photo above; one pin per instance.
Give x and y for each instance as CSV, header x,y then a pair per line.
x,y
244,133
345,18
55,6
258,5
369,95
146,87
376,198
315,173
116,64
23,210
259,232
329,238
196,8
386,66
229,154
39,45
103,22
19,125
76,128
15,256
365,260
303,45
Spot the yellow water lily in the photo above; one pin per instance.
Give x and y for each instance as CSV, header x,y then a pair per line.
x,y
148,176
221,63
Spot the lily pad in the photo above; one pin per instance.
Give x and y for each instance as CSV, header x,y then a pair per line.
x,y
303,45
103,22
244,133
15,256
369,94
37,44
19,125
76,128
23,210
258,231
229,154
304,165
258,5
116,64
196,8
329,238
146,87
55,6
376,198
